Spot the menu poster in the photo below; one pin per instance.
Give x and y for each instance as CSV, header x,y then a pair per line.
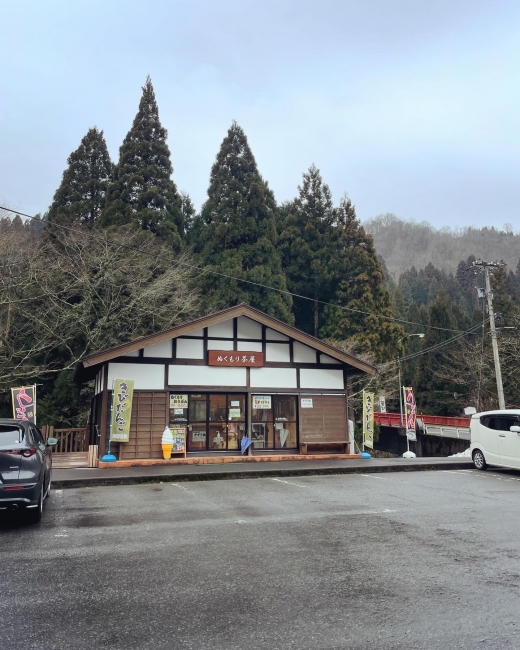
x,y
179,438
262,401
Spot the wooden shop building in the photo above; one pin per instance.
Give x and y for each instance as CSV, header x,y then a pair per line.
x,y
232,373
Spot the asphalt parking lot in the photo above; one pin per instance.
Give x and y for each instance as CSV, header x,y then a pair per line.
x,y
407,560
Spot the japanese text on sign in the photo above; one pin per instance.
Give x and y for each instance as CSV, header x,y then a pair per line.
x,y
24,403
178,401
262,401
122,410
232,358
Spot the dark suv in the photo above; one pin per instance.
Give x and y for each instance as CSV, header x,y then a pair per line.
x,y
25,467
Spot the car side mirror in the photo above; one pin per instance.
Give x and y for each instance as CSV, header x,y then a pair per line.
x,y
516,429
54,441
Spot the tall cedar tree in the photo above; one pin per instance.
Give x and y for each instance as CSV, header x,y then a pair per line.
x,y
236,233
81,196
143,192
361,288
435,394
306,243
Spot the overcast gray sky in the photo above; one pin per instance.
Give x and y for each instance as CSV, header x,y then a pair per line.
x,y
410,106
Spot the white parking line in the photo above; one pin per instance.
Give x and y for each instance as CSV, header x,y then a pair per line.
x,y
181,487
289,483
383,478
471,472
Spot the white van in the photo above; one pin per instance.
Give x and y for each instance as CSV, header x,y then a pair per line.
x,y
495,438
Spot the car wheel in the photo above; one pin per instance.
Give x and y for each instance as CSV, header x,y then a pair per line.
x,y
35,514
478,460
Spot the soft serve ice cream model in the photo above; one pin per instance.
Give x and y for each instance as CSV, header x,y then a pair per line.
x,y
167,442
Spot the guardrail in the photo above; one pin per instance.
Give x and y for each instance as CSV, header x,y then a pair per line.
x,y
394,420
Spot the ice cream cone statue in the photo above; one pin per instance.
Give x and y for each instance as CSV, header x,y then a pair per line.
x,y
167,443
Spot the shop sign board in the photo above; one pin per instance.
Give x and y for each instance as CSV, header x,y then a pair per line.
x,y
262,402
306,403
24,403
123,392
232,358
178,401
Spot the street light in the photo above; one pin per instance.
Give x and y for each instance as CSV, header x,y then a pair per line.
x,y
408,453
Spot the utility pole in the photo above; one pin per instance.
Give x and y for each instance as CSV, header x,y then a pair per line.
x,y
484,268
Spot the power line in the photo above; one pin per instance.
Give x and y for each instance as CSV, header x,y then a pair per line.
x,y
441,344
232,277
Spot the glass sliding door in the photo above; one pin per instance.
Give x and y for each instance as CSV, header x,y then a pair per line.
x,y
197,419
216,421
274,422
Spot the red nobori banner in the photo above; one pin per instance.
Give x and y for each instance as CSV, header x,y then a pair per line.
x,y
233,358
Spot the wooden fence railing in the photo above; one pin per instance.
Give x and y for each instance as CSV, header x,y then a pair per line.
x,y
69,440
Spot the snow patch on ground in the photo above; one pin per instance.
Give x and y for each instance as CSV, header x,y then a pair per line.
x,y
463,454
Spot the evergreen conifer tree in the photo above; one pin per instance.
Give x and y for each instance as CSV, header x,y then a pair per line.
x,y
81,196
236,233
360,288
143,193
306,244
438,389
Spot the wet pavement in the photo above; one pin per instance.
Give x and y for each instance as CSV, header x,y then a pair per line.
x,y
301,466
366,561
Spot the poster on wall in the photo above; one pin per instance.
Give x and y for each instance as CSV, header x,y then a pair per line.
x,y
306,403
368,420
178,401
122,395
24,403
410,411
199,436
234,413
262,402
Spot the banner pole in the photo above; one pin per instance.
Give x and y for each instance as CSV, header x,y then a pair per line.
x,y
108,457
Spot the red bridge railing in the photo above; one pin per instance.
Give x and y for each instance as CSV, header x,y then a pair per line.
x,y
394,420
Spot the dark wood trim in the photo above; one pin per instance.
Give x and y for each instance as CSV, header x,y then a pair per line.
x,y
235,333
142,360
226,314
174,349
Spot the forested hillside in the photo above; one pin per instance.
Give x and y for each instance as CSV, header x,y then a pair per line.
x,y
403,244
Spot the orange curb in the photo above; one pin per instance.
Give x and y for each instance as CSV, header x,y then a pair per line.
x,y
204,460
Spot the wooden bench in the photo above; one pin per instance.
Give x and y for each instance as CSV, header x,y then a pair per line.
x,y
329,443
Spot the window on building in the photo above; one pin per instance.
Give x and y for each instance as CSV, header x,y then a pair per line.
x,y
274,422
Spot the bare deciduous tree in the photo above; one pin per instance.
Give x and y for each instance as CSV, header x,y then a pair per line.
x,y
79,292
